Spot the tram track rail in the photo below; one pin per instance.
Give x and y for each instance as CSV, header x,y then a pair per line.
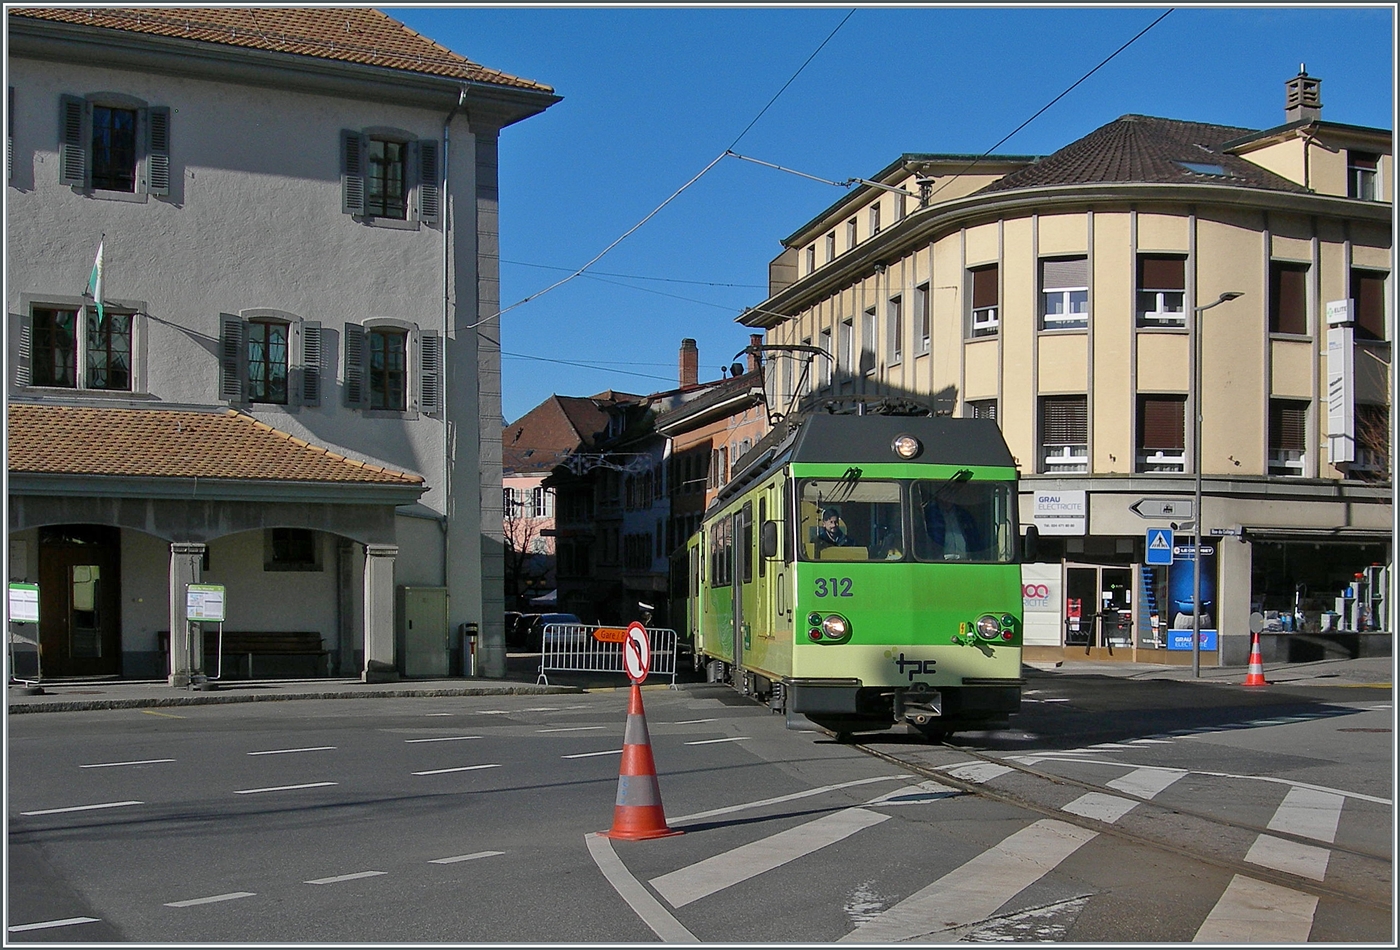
x,y
1259,872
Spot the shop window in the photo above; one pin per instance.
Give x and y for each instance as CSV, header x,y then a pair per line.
x,y
1288,298
985,296
1064,434
1161,291
1064,292
1288,436
1161,434
1368,301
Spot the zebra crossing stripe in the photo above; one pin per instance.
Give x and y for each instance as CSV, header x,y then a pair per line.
x,y
1146,782
1290,857
691,883
1309,813
975,890
1257,912
1096,805
978,771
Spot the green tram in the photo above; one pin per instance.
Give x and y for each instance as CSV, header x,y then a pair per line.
x,y
863,571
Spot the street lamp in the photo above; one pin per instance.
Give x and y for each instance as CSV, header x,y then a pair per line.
x,y
1196,461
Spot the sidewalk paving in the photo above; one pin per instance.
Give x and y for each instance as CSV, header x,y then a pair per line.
x,y
80,695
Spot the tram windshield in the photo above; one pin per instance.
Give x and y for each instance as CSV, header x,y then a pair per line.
x,y
854,519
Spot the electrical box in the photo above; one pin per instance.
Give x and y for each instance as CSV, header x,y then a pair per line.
x,y
421,632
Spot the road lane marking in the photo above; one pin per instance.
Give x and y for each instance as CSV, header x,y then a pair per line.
x,y
59,811
783,799
466,857
690,884
572,729
318,748
437,714
713,741
1146,783
647,908
585,755
112,765
218,898
1257,912
152,712
460,768
978,772
1096,805
692,722
1290,857
283,788
345,877
920,794
1150,742
46,924
1309,814
443,739
974,891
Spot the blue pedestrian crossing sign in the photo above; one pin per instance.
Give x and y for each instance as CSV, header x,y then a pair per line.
x,y
1159,546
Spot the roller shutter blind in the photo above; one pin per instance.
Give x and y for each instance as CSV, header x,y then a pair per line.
x,y
1162,423
1064,273
1288,425
1161,273
1368,292
984,286
1288,298
1064,420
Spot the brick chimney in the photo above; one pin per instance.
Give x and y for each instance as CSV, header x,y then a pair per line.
x,y
755,341
689,363
1303,99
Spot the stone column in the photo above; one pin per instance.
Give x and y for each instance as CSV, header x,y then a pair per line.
x,y
379,614
186,560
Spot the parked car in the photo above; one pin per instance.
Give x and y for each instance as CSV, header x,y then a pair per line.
x,y
560,640
519,636
512,620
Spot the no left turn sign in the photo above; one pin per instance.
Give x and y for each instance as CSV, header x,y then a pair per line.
x,y
636,653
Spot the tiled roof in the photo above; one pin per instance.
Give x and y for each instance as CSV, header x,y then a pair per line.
x,y
168,443
349,34
1140,148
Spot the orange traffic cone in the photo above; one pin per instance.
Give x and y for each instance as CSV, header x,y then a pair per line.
x,y
1256,665
637,814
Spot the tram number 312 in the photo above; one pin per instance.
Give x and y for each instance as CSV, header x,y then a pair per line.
x,y
834,587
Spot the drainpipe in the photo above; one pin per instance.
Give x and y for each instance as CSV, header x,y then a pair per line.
x,y
446,327
1309,134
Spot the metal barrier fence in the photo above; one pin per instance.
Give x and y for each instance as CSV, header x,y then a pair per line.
x,y
578,648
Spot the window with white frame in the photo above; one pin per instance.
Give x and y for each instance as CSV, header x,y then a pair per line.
x,y
923,311
1161,293
1064,293
824,362
73,346
984,295
807,381
269,356
1368,303
867,342
1288,297
875,219
851,236
113,144
846,361
831,247
1288,436
981,409
811,258
392,365
388,176
1361,175
1064,434
894,329
1161,442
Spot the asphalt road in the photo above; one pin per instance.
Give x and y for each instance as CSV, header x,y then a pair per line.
x,y
1111,811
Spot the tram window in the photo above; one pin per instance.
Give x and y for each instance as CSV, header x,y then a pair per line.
x,y
845,520
721,553
963,521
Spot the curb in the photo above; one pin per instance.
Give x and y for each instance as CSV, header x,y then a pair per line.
x,y
156,702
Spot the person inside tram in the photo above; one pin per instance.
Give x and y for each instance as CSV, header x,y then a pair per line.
x,y
952,530
830,533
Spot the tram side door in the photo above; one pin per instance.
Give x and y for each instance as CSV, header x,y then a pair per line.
x,y
743,581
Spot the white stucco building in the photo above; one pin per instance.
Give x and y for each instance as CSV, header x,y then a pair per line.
x,y
285,391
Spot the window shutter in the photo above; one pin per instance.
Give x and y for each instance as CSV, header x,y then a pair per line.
x,y
429,182
1288,427
10,138
230,357
352,172
356,392
1065,421
158,151
984,287
1289,305
1368,292
1066,273
310,363
24,361
1161,273
72,144
1162,423
430,373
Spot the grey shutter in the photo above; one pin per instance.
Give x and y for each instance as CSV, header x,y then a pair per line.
x,y
230,357
1066,273
352,172
429,373
429,178
24,355
158,151
72,141
310,363
356,392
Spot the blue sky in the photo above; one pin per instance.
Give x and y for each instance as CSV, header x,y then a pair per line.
x,y
653,95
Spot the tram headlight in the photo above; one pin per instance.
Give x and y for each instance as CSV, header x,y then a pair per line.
x,y
836,627
988,627
906,446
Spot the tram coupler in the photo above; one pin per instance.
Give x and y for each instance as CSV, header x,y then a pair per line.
x,y
919,705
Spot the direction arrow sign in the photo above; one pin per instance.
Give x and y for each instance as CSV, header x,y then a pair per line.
x,y
1160,542
636,653
1178,509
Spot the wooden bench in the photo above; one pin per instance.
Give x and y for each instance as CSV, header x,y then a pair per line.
x,y
245,644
